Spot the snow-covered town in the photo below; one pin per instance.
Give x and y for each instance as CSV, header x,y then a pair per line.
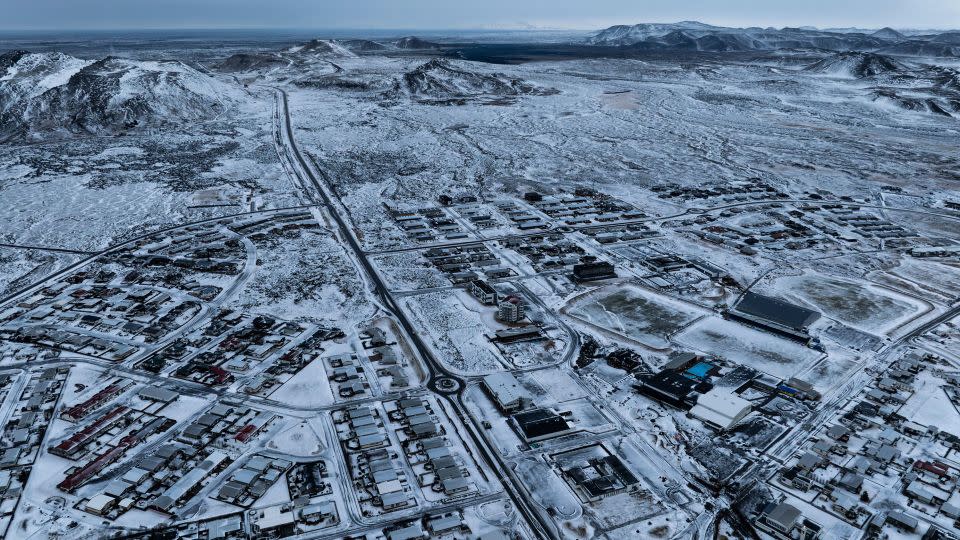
x,y
672,281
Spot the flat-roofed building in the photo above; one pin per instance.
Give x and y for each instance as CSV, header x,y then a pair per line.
x,y
541,424
482,291
721,409
156,393
507,392
775,315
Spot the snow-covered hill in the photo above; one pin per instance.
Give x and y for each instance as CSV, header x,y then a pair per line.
x,y
55,92
623,34
24,75
441,79
906,85
415,43
324,48
695,36
857,65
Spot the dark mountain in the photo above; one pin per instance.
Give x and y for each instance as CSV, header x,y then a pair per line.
x,y
887,33
856,65
915,47
442,80
415,43
949,38
252,62
361,45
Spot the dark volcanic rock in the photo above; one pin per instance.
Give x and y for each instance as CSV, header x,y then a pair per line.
x,y
857,65
413,42
252,62
440,79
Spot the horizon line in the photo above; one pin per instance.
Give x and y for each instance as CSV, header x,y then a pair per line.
x,y
503,28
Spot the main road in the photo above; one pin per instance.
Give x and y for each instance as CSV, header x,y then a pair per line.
x,y
442,381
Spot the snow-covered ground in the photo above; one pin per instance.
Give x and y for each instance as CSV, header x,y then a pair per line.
x,y
792,175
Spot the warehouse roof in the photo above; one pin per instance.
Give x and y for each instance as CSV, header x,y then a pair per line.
x,y
776,311
721,408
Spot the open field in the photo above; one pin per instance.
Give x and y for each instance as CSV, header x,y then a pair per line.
x,y
738,343
861,305
635,313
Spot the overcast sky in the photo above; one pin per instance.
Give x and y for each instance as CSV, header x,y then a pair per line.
x,y
449,14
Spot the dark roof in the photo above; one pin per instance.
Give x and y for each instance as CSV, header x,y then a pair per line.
x,y
599,486
670,385
776,311
540,422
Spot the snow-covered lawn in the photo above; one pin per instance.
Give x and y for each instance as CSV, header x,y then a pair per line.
x,y
861,305
760,350
637,313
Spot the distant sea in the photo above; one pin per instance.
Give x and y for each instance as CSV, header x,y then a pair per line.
x,y
200,44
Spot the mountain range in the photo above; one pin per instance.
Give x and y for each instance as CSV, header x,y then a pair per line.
x,y
697,36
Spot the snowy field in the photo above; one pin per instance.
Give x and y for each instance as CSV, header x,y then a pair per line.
x,y
308,276
744,345
636,313
930,405
612,123
924,277
458,330
308,388
111,188
861,305
22,267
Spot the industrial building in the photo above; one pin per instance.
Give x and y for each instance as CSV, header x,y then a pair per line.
x,y
774,315
672,388
507,392
720,409
595,271
541,424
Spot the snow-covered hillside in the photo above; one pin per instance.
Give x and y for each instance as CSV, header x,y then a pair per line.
x,y
46,92
857,65
623,34
441,79
696,36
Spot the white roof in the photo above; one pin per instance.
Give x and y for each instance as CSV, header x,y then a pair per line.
x,y
98,502
721,408
272,518
157,393
505,388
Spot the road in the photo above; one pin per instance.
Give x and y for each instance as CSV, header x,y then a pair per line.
x,y
321,193
44,248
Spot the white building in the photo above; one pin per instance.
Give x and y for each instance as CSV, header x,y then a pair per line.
x,y
507,392
100,504
721,409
